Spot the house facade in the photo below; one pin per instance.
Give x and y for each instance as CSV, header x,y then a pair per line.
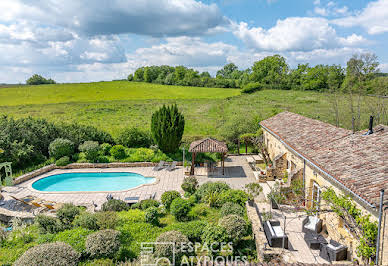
x,y
324,156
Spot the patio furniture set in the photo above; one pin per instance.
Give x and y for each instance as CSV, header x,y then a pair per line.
x,y
162,165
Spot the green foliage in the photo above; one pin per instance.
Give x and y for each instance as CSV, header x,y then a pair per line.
x,y
234,196
270,70
105,148
134,138
104,243
65,160
115,205
38,79
74,237
229,208
140,155
167,126
252,87
166,251
192,229
131,216
253,190
190,184
152,215
86,220
91,150
67,213
216,235
238,125
57,253
118,152
180,208
60,148
235,226
106,219
48,224
145,204
211,187
198,210
168,197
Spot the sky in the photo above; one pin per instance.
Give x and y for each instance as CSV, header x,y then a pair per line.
x,y
81,41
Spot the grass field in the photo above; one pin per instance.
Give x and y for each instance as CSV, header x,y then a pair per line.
x,y
118,104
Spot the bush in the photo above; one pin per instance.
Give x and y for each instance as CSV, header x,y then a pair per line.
x,y
145,204
118,152
102,159
60,148
252,87
168,197
232,208
134,138
38,79
65,160
74,237
215,234
86,220
67,213
234,196
190,184
91,150
48,224
235,226
167,126
152,216
103,243
56,254
106,220
210,187
115,205
180,208
166,251
192,229
141,155
105,148
198,210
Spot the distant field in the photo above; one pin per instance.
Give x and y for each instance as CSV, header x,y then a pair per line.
x,y
115,105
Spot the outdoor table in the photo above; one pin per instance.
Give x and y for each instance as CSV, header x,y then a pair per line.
x,y
314,240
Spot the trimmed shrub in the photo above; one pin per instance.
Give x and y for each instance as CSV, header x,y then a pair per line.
x,y
55,254
235,226
252,87
91,150
168,197
134,138
105,148
145,204
106,220
118,152
198,210
104,243
67,213
152,216
86,220
102,159
234,196
115,205
190,184
180,208
232,208
215,234
210,187
140,155
47,224
60,148
74,237
192,229
65,160
166,251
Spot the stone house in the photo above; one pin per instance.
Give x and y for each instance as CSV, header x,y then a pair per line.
x,y
325,156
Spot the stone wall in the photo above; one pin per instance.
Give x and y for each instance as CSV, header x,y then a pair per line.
x,y
384,239
52,167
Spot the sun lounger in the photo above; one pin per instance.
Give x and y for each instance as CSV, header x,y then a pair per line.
x,y
160,166
172,166
132,200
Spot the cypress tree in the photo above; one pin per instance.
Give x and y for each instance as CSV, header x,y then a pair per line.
x,y
167,126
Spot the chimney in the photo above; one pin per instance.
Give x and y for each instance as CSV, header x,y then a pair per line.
x,y
370,131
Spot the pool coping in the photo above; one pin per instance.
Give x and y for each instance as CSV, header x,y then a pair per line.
x,y
157,180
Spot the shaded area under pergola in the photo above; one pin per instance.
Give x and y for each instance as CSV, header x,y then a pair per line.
x,y
208,145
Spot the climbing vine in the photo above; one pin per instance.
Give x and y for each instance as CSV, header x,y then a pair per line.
x,y
360,224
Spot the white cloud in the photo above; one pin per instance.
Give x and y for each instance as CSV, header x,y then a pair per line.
x,y
330,9
384,67
353,40
374,18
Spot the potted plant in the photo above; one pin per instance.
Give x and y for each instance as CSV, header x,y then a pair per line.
x,y
187,168
253,190
275,196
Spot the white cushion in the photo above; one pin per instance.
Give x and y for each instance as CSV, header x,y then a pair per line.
x,y
278,231
310,226
333,247
270,228
313,219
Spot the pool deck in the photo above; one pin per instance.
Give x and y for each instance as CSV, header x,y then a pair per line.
x,y
237,174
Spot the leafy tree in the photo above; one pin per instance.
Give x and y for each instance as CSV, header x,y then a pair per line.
x,y
167,126
270,70
139,74
38,79
134,138
227,71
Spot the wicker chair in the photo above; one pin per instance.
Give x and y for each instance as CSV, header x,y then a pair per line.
x,y
312,224
333,251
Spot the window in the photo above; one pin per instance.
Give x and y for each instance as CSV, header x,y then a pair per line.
x,y
316,196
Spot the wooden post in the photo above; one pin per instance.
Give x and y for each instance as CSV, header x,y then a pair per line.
x,y
192,163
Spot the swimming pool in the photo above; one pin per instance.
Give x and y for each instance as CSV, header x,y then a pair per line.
x,y
100,181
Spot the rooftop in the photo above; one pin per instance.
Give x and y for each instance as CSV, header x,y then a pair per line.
x,y
208,145
354,160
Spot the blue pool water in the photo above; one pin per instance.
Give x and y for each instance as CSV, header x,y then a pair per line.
x,y
91,182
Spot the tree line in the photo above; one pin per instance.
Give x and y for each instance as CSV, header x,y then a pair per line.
x,y
272,72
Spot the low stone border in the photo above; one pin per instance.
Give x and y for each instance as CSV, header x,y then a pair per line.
x,y
52,167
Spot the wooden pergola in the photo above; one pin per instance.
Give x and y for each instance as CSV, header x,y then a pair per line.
x,y
208,145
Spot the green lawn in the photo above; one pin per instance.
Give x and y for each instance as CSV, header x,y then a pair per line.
x,y
114,105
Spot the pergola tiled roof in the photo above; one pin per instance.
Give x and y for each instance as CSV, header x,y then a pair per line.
x,y
208,145
357,161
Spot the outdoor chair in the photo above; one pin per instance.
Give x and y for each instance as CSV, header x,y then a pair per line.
x,y
312,224
159,167
333,251
172,166
275,234
131,200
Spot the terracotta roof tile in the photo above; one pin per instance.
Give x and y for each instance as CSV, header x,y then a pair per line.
x,y
208,145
